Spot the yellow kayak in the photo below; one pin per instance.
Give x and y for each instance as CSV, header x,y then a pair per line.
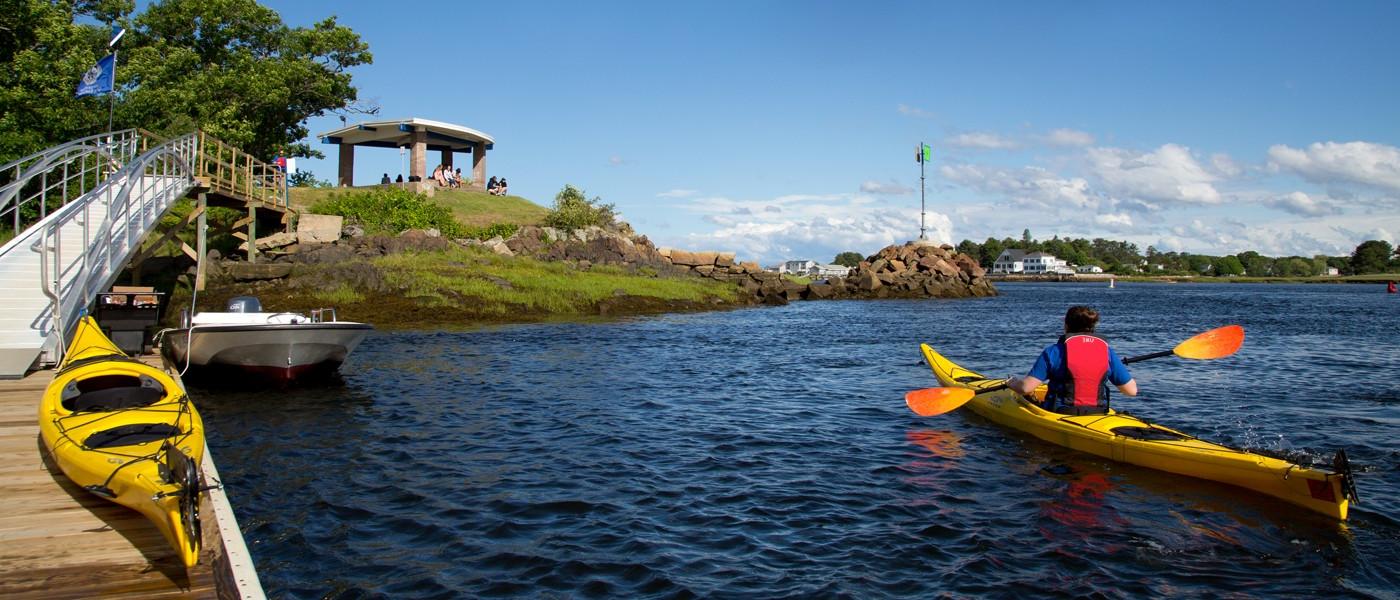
x,y
125,431
1125,438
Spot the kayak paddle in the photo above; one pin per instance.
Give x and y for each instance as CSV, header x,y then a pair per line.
x,y
1216,343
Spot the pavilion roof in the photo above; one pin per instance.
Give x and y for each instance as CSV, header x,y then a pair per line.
x,y
399,132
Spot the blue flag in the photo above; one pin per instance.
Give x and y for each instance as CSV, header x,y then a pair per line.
x,y
98,79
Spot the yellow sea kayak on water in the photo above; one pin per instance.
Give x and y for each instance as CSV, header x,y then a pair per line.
x,y
125,431
1125,438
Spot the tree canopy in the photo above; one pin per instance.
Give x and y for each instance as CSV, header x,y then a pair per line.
x,y
231,67
848,259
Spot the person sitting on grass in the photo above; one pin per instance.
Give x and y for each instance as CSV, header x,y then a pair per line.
x,y
492,186
502,188
457,178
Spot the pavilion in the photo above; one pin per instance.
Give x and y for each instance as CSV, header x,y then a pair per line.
x,y
418,136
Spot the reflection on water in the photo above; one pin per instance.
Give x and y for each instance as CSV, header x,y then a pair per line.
x,y
768,453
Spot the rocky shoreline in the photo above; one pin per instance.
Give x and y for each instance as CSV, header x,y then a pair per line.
x,y
911,270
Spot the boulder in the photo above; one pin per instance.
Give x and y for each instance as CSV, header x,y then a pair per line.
x,y
319,229
868,282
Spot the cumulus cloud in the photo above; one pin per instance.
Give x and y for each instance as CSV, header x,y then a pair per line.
x,y
913,111
1304,205
885,189
983,141
1067,137
815,227
1026,187
1226,166
1168,175
1376,165
678,193
1114,221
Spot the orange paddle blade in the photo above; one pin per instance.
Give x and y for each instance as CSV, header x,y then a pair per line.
x,y
1216,343
936,401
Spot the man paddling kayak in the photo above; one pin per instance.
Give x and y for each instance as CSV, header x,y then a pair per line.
x,y
1079,368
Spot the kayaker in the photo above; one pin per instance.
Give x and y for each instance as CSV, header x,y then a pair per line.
x,y
1079,368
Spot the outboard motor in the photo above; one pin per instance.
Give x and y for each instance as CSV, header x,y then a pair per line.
x,y
244,304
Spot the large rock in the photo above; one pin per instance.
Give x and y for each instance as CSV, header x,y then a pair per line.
x,y
318,229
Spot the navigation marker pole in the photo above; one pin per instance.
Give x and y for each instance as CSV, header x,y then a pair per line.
x,y
921,155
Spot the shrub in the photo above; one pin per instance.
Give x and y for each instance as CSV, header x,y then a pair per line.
x,y
573,210
391,211
504,230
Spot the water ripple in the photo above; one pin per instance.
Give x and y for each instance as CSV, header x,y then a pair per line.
x,y
768,453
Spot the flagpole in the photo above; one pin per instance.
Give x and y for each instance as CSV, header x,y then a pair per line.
x,y
112,91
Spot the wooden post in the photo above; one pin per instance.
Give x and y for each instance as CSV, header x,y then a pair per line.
x,y
201,243
252,233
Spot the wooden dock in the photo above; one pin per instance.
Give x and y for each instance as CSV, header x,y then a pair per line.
x,y
59,541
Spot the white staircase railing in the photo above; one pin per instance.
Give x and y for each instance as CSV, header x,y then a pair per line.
x,y
78,251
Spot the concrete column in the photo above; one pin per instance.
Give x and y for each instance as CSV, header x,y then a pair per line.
x,y
446,158
347,165
418,155
479,165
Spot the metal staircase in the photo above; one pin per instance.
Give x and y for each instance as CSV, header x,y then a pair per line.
x,y
79,211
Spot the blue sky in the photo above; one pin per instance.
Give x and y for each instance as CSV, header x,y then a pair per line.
x,y
786,130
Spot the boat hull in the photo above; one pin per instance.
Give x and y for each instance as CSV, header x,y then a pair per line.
x,y
1113,436
278,353
112,425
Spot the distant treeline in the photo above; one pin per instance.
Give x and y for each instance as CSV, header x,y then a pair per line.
x,y
1124,258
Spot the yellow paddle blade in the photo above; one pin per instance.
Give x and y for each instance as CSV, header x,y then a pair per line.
x,y
1216,343
936,401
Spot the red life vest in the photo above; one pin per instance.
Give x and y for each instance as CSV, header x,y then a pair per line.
x,y
1085,390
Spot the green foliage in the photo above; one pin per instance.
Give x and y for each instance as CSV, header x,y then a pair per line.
x,y
391,211
573,210
1372,256
502,230
306,179
231,67
848,259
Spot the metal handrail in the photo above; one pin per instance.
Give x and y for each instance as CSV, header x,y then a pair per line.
x,y
64,172
72,287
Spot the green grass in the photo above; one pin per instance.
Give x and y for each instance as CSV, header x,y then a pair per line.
x,y
502,286
470,207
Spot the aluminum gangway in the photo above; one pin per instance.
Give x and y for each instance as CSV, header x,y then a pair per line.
x,y
78,212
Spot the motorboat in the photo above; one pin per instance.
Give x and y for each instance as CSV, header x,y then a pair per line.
x,y
243,342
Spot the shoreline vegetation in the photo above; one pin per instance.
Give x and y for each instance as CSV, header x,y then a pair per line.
x,y
1373,278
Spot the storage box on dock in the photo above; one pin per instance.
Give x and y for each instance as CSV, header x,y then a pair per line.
x,y
127,315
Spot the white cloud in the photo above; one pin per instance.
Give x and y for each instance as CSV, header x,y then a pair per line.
x,y
616,161
1376,165
982,140
1302,204
678,193
815,227
1114,221
1027,187
1225,166
885,189
1067,137
913,111
1169,175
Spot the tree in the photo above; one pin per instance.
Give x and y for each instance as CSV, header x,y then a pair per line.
x,y
44,52
302,178
234,69
848,259
1026,236
970,248
1228,265
230,67
573,210
991,249
1372,256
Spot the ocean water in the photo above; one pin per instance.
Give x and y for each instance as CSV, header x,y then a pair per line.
x,y
768,453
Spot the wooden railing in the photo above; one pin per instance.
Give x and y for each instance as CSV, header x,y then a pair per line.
x,y
233,172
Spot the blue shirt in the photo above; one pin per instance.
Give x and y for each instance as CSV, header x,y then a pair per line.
x,y
1051,367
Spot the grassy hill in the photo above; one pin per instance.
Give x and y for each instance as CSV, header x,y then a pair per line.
x,y
472,208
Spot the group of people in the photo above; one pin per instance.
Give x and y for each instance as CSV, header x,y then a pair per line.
x,y
496,188
446,177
